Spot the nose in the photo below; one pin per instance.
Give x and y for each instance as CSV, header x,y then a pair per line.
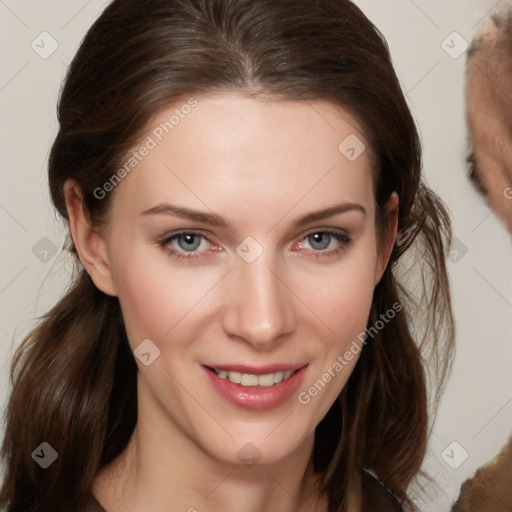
x,y
260,307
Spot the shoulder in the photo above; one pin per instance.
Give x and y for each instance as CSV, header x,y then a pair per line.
x,y
377,497
490,488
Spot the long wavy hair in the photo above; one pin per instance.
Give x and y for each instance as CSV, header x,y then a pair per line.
x,y
75,372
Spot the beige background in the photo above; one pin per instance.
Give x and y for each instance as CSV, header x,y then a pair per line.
x,y
476,411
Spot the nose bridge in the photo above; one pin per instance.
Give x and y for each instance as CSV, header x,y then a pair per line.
x,y
260,308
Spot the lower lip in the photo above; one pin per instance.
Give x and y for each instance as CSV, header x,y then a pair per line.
x,y
257,397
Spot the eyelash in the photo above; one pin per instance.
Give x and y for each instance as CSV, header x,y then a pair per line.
x,y
343,238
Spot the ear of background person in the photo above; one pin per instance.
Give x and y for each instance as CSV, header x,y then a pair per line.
x,y
426,38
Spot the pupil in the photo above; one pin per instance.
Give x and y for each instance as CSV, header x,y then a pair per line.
x,y
191,242
321,239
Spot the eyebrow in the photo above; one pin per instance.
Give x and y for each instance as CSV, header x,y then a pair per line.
x,y
218,221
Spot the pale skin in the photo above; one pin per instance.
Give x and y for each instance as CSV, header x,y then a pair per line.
x,y
261,166
489,116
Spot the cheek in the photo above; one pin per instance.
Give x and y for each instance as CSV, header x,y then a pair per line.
x,y
154,298
344,299
348,299
344,306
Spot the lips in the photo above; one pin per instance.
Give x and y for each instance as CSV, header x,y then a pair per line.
x,y
251,387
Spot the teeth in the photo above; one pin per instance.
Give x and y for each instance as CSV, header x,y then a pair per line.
x,y
248,380
235,377
245,379
265,380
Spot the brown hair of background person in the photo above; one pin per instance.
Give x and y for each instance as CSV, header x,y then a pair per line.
x,y
489,115
75,372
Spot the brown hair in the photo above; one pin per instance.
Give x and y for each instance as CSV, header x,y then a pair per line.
x,y
502,22
75,372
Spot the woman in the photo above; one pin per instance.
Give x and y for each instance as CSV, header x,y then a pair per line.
x,y
240,180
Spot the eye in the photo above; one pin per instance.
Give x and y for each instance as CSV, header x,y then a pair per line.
x,y
187,244
184,245
325,243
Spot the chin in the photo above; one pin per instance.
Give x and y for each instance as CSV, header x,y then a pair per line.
x,y
258,449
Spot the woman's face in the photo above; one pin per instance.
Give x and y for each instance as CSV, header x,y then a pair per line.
x,y
242,245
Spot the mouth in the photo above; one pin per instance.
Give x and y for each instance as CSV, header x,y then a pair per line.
x,y
256,388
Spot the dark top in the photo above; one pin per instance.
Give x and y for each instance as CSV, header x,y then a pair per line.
x,y
376,498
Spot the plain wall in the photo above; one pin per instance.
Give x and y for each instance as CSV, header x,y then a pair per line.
x,y
476,410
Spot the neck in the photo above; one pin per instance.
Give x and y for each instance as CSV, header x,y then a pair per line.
x,y
163,470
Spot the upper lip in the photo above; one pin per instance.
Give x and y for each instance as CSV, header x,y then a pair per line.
x,y
257,370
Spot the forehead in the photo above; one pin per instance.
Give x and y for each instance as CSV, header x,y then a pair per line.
x,y
252,160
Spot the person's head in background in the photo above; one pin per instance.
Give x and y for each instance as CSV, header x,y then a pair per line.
x,y
489,115
489,119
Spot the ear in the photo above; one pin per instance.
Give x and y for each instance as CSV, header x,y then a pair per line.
x,y
384,252
89,243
